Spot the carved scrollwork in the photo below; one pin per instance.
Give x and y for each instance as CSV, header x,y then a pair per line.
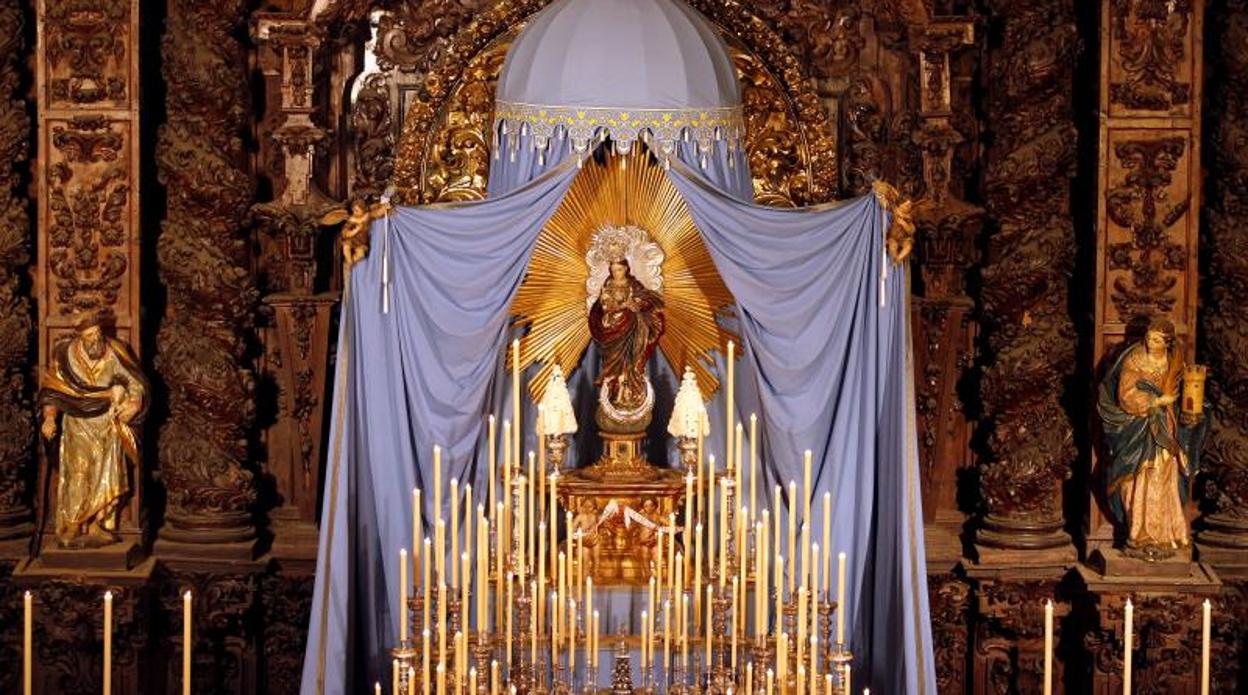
x,y
86,51
223,607
16,326
1153,260
372,133
88,201
1031,248
287,605
950,600
1224,283
69,639
205,263
1151,39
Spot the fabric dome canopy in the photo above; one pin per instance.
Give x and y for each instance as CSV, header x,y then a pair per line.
x,y
623,68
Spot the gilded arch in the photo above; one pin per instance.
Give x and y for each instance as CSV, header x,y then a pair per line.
x,y
443,149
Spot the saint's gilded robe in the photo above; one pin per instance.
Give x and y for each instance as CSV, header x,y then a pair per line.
x,y
94,443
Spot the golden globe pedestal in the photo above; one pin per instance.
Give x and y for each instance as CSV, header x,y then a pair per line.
x,y
618,504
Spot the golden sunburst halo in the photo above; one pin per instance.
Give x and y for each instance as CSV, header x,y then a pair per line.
x,y
620,190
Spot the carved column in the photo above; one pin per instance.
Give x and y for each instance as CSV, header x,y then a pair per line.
x,y
205,265
88,183
298,341
1223,540
17,433
1029,338
944,332
1149,202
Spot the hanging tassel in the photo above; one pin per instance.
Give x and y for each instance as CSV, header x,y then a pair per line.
x,y
385,266
883,258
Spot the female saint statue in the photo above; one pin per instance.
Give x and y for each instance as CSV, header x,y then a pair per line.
x,y
626,321
1154,447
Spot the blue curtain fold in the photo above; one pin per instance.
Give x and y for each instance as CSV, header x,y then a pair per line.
x,y
824,318
825,365
410,374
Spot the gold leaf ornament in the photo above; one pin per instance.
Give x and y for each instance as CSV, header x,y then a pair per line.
x,y
620,190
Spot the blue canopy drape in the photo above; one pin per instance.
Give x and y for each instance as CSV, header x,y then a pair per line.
x,y
826,365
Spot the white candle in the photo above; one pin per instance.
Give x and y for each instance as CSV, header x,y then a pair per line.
x,y
454,533
793,552
1048,647
1127,641
753,464
827,540
28,644
108,642
402,595
728,412
376,688
840,598
188,646
1206,610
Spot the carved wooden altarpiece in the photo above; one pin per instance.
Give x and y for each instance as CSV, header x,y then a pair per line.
x,y
87,177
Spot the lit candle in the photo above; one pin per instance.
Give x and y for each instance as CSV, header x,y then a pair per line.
x,y
645,638
540,596
728,412
188,646
753,464
494,679
593,653
805,545
589,615
697,572
554,627
687,538
493,455
533,625
652,598
108,642
439,548
424,661
723,534
411,681
749,678
531,512
424,586
463,587
775,504
483,571
801,675
684,631
736,611
1206,610
1128,641
1048,647
793,552
840,598
827,540
671,552
711,496
667,637
515,395
827,685
454,534
801,624
506,527
814,663
771,681
760,582
441,679
779,593
402,594
554,518
848,679
806,459
710,620
437,483
736,462
415,533
394,677
441,623
510,602
27,643
571,639
472,681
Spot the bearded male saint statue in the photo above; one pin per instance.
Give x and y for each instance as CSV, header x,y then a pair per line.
x,y
95,385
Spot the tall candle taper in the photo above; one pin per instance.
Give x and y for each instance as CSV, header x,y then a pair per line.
x,y
779,594
753,465
710,615
827,540
806,490
415,533
454,534
394,677
729,415
1127,641
1206,610
840,598
424,661
793,553
437,483
493,494
188,646
29,643
108,642
645,638
402,595
1048,647
515,398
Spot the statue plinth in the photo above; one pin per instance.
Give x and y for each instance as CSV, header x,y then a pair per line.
x,y
619,510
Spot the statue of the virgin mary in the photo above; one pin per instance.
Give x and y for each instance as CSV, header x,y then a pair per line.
x,y
626,320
